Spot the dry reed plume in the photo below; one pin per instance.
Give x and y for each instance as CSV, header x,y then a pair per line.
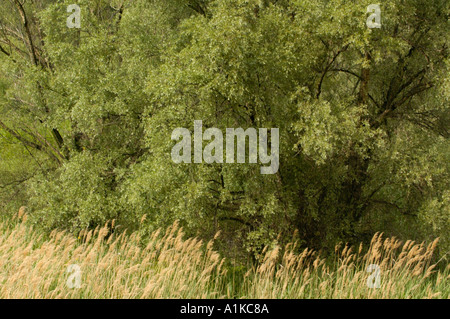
x,y
405,271
111,266
169,266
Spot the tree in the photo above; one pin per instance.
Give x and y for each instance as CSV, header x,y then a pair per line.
x,y
362,115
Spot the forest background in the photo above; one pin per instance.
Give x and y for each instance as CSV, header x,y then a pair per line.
x,y
86,116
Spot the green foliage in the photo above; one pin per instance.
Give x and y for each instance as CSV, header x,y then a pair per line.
x,y
362,113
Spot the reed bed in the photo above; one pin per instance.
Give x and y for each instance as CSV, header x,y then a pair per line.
x,y
167,265
109,266
388,269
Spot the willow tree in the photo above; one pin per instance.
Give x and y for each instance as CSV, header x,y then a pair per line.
x,y
362,115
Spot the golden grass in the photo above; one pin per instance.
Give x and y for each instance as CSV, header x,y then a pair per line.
x,y
405,271
169,266
111,266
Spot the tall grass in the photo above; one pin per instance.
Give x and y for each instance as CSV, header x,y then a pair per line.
x,y
111,266
169,266
405,271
